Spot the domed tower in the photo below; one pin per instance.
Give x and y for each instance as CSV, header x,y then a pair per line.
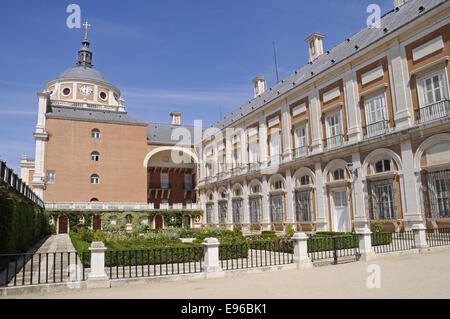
x,y
81,118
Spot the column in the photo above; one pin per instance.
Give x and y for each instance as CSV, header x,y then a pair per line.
x,y
411,210
400,85
321,204
216,208
352,106
263,154
315,122
245,208
290,207
286,131
229,208
360,208
265,204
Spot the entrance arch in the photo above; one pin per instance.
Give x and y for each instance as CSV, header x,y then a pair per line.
x,y
158,222
63,226
96,223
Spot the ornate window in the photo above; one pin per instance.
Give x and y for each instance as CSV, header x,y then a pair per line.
x,y
222,212
383,200
439,193
276,208
255,209
303,206
237,209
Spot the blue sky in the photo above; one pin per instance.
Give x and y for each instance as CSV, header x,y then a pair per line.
x,y
193,56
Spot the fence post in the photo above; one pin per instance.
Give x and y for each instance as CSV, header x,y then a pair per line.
x,y
420,236
365,244
301,257
97,277
211,265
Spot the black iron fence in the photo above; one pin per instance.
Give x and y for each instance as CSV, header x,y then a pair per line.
x,y
320,248
256,254
40,268
153,262
391,242
8,177
438,237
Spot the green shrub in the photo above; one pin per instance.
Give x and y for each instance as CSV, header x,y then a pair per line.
x,y
376,227
99,236
290,231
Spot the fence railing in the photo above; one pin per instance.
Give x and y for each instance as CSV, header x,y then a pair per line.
x,y
377,128
40,268
301,151
333,141
392,242
320,248
438,237
153,262
10,178
258,254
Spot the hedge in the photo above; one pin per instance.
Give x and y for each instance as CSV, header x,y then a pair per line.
x,y
22,223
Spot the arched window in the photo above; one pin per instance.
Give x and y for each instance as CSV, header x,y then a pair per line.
x,y
382,166
338,174
95,156
95,179
211,197
223,195
94,199
237,192
304,180
278,185
256,189
95,133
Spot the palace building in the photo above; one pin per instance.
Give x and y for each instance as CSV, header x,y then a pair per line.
x,y
361,133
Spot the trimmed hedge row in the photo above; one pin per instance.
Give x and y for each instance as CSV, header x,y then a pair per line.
x,y
22,223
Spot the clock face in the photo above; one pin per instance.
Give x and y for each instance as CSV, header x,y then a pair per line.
x,y
85,90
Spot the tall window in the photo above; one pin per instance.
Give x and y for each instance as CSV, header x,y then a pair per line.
x,y
439,193
255,210
209,210
95,179
253,154
237,207
275,144
276,208
208,169
300,136
433,89
221,162
236,158
383,200
51,177
376,114
188,181
333,124
222,212
303,206
165,180
95,133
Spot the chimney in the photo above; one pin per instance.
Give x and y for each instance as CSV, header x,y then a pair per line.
x,y
398,3
315,45
259,85
176,118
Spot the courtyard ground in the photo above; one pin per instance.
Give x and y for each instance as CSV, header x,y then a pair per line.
x,y
409,276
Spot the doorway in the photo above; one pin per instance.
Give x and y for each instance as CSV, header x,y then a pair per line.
x,y
158,222
340,211
62,225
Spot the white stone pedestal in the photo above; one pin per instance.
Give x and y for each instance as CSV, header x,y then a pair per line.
x,y
301,258
97,277
211,264
420,236
365,244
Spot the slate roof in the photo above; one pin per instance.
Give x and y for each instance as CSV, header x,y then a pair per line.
x,y
82,72
391,21
162,133
71,113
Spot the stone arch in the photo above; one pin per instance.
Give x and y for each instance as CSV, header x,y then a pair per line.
x,y
169,148
303,171
209,193
254,182
378,154
220,191
235,187
333,165
427,144
277,177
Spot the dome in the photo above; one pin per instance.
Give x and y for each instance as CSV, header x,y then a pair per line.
x,y
82,72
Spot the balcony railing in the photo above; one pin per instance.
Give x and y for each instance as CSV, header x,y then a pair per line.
x,y
301,151
333,141
377,128
236,171
275,159
253,167
97,206
159,186
433,112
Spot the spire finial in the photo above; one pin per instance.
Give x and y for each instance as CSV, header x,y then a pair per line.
x,y
86,26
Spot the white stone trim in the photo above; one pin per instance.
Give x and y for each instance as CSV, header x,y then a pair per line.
x,y
372,75
427,48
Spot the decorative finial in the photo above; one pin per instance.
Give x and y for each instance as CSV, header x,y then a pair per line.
x,y
86,26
